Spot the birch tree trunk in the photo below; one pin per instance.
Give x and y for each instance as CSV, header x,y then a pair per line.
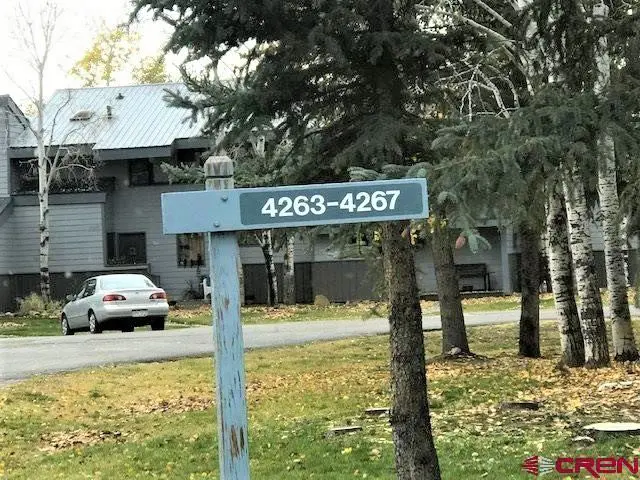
x,y
289,280
454,334
43,201
43,193
571,342
241,281
529,338
415,453
594,333
624,345
266,244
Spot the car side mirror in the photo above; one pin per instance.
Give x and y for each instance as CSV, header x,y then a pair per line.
x,y
70,298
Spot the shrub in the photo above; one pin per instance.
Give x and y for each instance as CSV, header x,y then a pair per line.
x,y
34,305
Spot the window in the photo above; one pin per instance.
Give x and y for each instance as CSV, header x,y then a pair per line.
x,y
126,248
116,282
190,250
81,115
82,289
90,288
147,172
140,172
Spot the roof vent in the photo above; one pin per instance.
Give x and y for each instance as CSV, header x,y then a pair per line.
x,y
81,115
120,96
109,112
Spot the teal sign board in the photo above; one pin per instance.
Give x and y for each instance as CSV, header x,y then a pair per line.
x,y
294,206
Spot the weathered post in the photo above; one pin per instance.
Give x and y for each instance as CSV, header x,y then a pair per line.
x,y
231,403
221,211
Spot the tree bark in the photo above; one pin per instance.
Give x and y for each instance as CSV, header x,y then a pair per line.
x,y
43,194
415,454
571,342
545,270
289,280
241,281
624,345
266,244
45,279
529,339
594,332
454,333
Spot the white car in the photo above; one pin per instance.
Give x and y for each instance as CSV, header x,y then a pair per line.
x,y
119,301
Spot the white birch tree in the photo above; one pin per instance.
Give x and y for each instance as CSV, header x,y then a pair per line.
x,y
624,346
289,280
37,36
571,342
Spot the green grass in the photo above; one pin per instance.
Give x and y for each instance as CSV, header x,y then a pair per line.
x,y
38,326
28,326
157,421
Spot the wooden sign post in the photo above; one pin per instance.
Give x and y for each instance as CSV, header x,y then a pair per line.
x,y
231,402
220,211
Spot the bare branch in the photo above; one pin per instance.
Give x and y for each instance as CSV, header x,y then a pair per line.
x,y
495,14
492,33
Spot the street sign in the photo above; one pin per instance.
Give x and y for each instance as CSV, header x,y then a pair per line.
x,y
294,206
220,211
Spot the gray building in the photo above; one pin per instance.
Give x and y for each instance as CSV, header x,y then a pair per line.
x,y
113,224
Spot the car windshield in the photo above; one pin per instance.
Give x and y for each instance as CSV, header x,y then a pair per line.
x,y
126,281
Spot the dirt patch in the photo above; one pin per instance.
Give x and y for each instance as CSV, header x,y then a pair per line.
x,y
11,325
179,404
56,441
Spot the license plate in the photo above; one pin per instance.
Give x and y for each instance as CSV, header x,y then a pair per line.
x,y
139,313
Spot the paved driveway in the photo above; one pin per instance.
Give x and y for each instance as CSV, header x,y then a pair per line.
x,y
21,358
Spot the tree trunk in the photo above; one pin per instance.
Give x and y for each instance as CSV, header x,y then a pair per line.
x,y
45,280
571,342
241,280
266,244
43,190
594,332
415,454
624,345
454,333
529,341
289,280
545,271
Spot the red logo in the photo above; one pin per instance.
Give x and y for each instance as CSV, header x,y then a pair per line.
x,y
593,467
538,465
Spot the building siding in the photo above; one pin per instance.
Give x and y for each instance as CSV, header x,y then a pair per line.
x,y
77,238
136,210
5,247
4,160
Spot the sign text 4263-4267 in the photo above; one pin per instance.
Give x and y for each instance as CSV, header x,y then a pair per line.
x,y
317,204
294,206
334,203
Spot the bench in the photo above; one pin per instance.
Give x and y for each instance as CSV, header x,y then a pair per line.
x,y
475,270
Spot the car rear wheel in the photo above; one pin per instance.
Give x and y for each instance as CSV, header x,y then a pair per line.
x,y
64,326
158,324
94,326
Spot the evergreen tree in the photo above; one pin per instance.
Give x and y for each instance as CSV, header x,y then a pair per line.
x,y
552,56
359,76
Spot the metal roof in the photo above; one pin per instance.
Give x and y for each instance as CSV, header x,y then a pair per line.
x,y
124,117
